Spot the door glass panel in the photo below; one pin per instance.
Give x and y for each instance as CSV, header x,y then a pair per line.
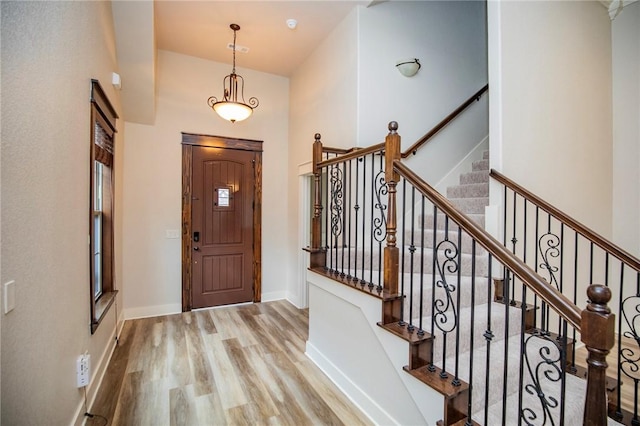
x,y
223,197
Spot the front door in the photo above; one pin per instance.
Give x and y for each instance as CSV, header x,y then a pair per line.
x,y
222,226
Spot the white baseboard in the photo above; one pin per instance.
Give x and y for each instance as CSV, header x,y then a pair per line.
x,y
357,396
152,311
275,295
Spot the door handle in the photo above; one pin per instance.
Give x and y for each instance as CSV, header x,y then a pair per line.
x,y
196,248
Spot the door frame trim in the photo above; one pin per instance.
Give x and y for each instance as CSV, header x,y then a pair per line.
x,y
189,140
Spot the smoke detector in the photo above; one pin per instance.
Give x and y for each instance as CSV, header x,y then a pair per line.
x,y
292,24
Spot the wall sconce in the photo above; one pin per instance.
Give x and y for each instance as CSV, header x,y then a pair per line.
x,y
408,67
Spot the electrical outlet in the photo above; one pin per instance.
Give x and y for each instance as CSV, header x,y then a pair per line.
x,y
83,370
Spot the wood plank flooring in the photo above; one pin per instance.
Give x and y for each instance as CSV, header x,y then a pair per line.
x,y
239,365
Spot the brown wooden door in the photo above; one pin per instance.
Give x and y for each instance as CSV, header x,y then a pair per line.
x,y
222,226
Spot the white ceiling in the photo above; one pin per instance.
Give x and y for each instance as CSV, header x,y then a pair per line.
x,y
201,29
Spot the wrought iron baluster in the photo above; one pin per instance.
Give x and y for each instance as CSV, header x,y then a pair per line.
x,y
346,219
618,409
523,330
373,180
505,368
364,210
561,285
488,336
432,367
356,209
472,325
381,227
629,358
547,370
337,200
456,379
402,252
412,250
445,310
591,263
421,311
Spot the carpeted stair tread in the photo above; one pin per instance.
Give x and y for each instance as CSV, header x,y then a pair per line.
x,y
471,190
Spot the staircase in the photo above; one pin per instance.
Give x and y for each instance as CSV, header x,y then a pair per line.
x,y
471,197
484,329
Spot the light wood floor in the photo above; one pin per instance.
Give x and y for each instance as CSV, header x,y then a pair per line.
x,y
230,366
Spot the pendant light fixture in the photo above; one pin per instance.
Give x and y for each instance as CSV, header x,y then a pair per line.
x,y
230,107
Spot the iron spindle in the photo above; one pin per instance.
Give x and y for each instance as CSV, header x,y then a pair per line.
x,y
472,325
364,210
382,216
591,263
412,249
456,380
347,220
488,335
505,368
402,253
420,326
356,208
523,326
373,178
433,284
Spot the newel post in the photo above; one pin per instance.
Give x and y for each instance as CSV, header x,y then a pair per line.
x,y
597,334
391,252
317,252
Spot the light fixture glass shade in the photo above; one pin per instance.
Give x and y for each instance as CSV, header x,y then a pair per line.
x,y
232,111
408,67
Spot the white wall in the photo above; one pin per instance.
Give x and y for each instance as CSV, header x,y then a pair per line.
x,y
349,90
449,39
358,356
323,100
50,51
153,178
550,76
626,128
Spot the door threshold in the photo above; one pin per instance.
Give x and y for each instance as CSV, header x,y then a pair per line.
x,y
233,305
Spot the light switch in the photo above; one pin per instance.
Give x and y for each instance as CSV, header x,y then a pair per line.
x,y
172,233
9,296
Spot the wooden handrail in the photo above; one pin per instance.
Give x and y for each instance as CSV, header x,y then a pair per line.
x,y
330,150
441,125
583,230
352,155
559,302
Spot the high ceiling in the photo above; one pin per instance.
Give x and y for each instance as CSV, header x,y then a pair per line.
x,y
201,29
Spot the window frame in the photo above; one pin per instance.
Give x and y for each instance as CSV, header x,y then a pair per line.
x,y
103,115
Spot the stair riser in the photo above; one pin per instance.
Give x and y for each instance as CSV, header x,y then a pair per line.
x,y
466,242
474,190
477,166
470,205
481,295
474,177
